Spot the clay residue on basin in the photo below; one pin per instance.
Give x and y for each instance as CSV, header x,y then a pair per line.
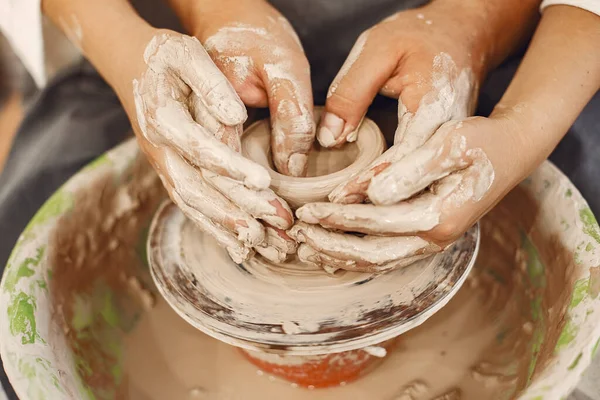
x,y
100,286
487,343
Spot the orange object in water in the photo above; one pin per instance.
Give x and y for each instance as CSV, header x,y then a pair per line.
x,y
316,371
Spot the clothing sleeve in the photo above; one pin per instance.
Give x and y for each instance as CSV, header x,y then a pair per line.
x,y
589,5
22,23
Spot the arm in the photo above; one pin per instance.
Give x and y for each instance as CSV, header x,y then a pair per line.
x,y
465,168
109,33
504,25
558,76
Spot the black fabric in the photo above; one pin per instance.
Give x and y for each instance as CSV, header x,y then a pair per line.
x,y
76,118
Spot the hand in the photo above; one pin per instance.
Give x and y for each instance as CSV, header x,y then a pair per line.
x,y
432,59
257,49
188,119
189,125
422,202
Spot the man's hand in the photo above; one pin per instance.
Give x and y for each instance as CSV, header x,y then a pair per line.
x,y
436,180
420,203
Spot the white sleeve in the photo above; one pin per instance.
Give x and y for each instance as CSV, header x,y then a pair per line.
x,y
589,5
22,24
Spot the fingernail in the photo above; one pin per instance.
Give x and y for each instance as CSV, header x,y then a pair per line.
x,y
305,214
352,136
297,164
271,253
352,199
330,129
307,254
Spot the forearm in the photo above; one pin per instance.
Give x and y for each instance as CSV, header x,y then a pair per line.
x,y
104,30
557,77
506,25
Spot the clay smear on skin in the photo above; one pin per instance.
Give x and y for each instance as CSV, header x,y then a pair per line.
x,y
291,116
449,99
223,207
404,213
164,105
446,161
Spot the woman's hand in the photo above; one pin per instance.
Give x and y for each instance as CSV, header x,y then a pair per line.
x,y
189,124
258,51
439,177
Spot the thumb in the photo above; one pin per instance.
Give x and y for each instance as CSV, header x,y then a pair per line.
x,y
368,66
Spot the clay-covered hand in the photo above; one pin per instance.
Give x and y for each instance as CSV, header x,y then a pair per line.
x,y
189,124
432,59
420,203
259,52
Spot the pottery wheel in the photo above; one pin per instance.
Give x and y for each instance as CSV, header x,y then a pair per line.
x,y
304,312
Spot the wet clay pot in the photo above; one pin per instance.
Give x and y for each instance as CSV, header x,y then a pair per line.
x,y
327,168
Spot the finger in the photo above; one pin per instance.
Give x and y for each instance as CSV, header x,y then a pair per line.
x,y
277,246
332,264
308,254
197,194
461,197
228,134
262,204
371,249
186,56
236,249
368,66
434,91
446,152
291,104
354,190
198,145
416,215
423,106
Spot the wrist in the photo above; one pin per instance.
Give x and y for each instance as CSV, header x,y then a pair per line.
x,y
493,29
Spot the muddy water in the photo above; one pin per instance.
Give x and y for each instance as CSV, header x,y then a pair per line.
x,y
487,343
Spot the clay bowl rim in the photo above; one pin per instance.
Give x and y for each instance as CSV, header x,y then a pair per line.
x,y
375,134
